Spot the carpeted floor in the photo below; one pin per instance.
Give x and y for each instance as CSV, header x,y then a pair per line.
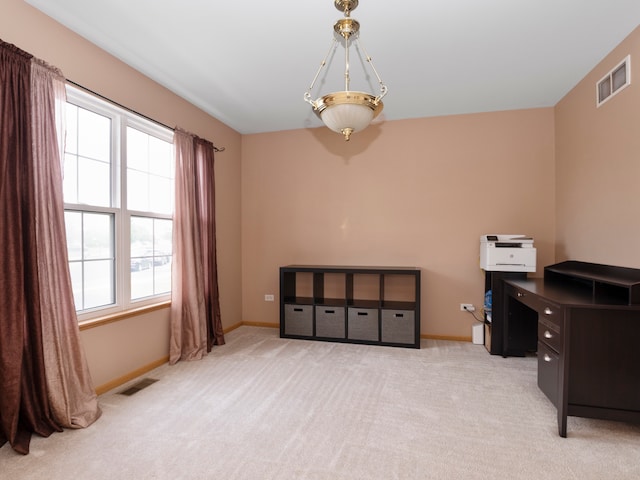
x,y
262,407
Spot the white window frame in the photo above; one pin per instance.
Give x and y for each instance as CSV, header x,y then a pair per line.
x,y
121,119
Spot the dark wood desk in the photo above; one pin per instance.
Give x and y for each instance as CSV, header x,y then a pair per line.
x,y
588,329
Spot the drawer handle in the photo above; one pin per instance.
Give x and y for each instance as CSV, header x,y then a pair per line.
x,y
547,311
548,334
298,310
330,311
363,313
399,315
547,358
520,294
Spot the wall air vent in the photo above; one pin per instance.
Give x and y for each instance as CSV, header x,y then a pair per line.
x,y
614,81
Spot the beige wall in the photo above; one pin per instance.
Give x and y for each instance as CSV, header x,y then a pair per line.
x,y
404,193
415,192
117,349
598,167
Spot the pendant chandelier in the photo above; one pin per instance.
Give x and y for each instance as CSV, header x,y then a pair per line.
x,y
347,111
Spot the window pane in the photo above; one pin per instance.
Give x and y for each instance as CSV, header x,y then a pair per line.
x,y
71,142
70,180
141,278
87,166
150,256
163,240
94,135
137,150
98,283
75,268
160,195
162,275
141,257
162,251
161,154
94,183
73,226
90,243
98,236
141,236
149,173
137,191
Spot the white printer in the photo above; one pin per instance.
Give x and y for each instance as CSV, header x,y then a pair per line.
x,y
507,253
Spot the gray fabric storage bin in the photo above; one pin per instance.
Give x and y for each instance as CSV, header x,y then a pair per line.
x,y
363,324
398,326
330,322
298,320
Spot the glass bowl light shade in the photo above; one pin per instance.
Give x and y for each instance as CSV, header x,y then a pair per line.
x,y
348,112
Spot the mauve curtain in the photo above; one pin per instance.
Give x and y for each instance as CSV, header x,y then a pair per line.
x,y
23,401
196,324
72,398
38,394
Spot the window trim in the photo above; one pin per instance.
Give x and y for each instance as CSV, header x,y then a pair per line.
x,y
124,314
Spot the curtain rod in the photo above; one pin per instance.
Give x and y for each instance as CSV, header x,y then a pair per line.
x,y
215,149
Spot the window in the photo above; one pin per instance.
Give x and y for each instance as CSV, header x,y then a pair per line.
x,y
118,193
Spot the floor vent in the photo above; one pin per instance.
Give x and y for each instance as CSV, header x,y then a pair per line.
x,y
614,81
136,387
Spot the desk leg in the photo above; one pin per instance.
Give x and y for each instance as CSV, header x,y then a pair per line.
x,y
562,403
563,375
562,423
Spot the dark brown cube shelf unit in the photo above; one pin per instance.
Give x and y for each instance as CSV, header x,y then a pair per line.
x,y
370,305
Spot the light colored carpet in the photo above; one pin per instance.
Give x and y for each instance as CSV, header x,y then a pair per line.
x,y
262,407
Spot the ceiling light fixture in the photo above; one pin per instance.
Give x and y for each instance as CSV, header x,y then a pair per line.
x,y
347,112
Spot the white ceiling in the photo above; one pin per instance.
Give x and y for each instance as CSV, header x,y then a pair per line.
x,y
249,62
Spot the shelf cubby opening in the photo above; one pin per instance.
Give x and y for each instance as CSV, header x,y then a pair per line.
x,y
608,293
330,289
298,288
363,290
398,292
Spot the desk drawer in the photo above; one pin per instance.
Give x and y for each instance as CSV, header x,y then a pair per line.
x,y
549,333
548,371
546,309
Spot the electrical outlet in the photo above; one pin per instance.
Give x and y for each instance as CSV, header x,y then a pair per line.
x,y
467,307
269,298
